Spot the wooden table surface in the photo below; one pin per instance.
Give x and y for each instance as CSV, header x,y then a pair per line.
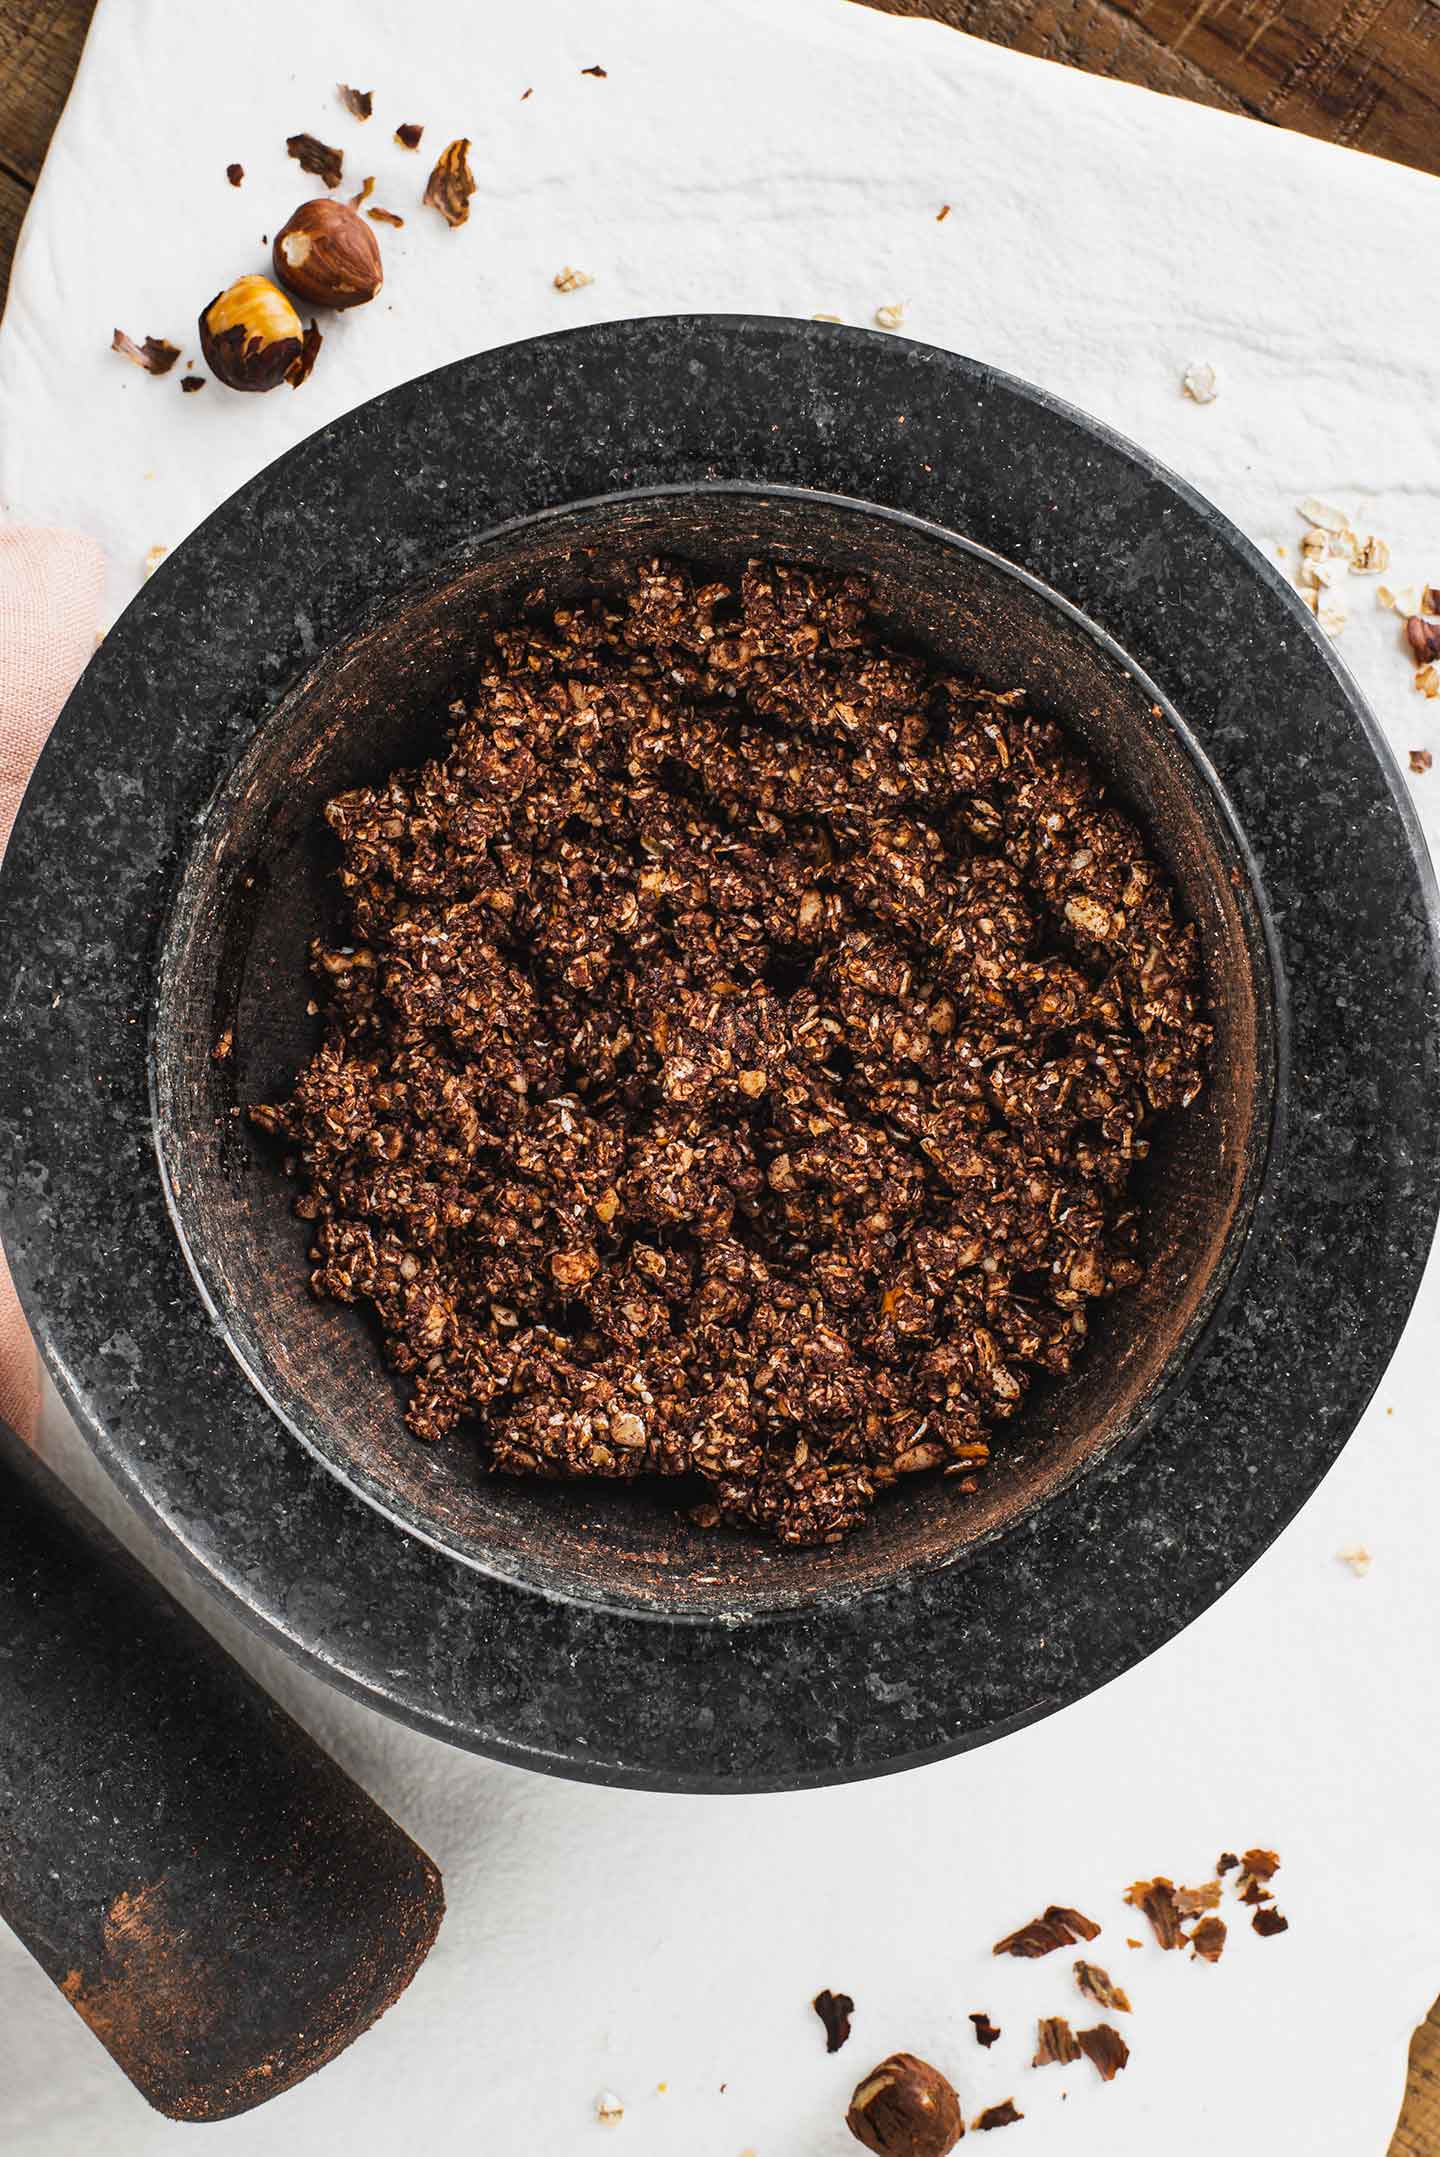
x,y
1361,72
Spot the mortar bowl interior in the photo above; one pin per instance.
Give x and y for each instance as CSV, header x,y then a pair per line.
x,y
259,883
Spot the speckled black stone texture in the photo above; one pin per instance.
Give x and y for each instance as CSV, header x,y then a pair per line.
x,y
1110,1568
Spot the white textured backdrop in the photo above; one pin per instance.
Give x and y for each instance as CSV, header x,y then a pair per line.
x,y
790,159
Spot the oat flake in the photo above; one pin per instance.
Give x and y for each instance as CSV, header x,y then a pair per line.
x,y
1324,514
1371,555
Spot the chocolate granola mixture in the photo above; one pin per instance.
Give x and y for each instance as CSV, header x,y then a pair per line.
x,y
743,1044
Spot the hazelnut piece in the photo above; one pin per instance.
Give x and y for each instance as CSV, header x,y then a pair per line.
x,y
327,255
1423,637
252,338
906,2108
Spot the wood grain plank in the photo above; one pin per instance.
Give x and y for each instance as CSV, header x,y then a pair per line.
x,y
1361,72
40,43
1418,2131
1094,35
14,201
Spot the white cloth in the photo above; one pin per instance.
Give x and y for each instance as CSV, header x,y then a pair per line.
x,y
746,156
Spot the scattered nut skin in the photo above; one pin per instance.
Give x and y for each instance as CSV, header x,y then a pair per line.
x,y
327,255
834,2010
313,155
1105,2049
156,355
252,337
905,2108
451,183
1423,637
1056,2044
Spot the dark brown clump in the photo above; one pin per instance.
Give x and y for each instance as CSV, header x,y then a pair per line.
x,y
985,2030
1105,2049
1227,1861
452,183
408,134
193,381
1001,2115
1056,2045
834,2010
318,157
235,174
359,102
1096,1985
1267,1921
735,1057
1057,1927
600,71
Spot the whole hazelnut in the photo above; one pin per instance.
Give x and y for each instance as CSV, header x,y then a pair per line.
x,y
905,2108
252,337
327,255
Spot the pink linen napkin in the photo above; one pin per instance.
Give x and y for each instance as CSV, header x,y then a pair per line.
x,y
50,589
